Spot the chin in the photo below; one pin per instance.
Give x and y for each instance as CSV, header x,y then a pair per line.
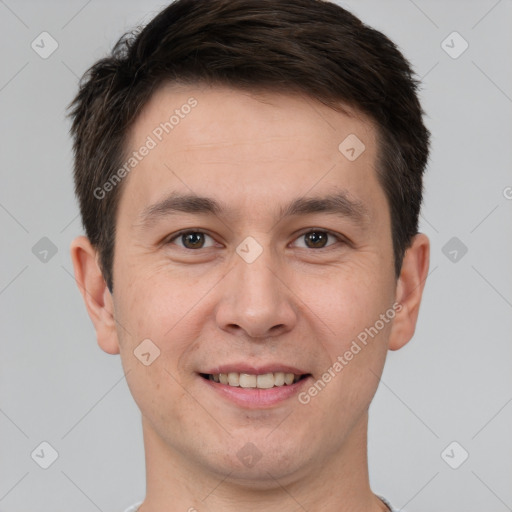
x,y
259,464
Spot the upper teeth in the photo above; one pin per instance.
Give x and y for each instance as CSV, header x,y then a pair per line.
x,y
264,381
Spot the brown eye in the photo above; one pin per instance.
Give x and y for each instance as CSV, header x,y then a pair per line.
x,y
317,239
191,240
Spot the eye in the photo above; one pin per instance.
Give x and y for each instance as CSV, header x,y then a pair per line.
x,y
191,239
313,239
318,239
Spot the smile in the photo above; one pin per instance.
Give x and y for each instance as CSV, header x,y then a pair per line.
x,y
261,381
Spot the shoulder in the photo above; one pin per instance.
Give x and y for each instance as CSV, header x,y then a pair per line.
x,y
134,507
389,504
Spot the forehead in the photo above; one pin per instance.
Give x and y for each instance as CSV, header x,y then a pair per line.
x,y
271,114
248,145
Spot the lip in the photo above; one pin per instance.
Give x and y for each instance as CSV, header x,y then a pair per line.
x,y
255,398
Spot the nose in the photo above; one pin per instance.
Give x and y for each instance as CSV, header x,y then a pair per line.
x,y
256,300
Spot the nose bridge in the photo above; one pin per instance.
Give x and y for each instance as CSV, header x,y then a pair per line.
x,y
255,300
256,279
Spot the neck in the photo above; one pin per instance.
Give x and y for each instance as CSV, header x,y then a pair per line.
x,y
339,483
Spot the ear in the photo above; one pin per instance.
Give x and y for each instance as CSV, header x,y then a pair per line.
x,y
96,295
410,290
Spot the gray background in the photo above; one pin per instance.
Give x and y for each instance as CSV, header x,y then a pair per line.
x,y
451,383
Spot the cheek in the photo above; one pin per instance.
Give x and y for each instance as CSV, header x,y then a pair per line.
x,y
165,308
160,396
347,300
160,310
153,300
358,306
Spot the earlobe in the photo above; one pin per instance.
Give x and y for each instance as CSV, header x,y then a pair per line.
x,y
409,291
97,297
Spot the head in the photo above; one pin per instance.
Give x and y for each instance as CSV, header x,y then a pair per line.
x,y
287,136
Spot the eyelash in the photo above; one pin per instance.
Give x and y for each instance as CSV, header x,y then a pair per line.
x,y
338,237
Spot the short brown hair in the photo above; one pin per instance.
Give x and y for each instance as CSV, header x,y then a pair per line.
x,y
306,46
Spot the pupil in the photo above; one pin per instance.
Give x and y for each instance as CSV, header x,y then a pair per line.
x,y
317,239
193,240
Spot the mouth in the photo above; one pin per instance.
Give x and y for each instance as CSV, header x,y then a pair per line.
x,y
255,381
255,388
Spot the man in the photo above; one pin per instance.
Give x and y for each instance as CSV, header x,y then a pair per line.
x,y
249,174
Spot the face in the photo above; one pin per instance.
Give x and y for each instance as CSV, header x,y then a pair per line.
x,y
252,248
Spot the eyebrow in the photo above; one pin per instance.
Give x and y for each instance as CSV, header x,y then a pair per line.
x,y
339,204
